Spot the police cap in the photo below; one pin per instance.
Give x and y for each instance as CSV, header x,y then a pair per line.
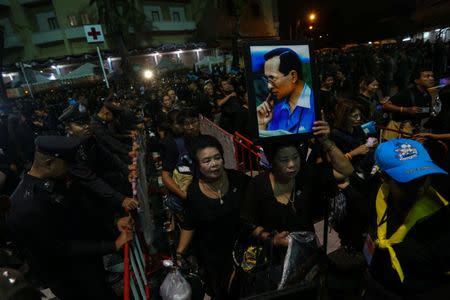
x,y
58,146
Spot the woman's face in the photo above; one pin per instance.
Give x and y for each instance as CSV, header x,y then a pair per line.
x,y
286,163
209,90
210,163
354,119
373,87
328,83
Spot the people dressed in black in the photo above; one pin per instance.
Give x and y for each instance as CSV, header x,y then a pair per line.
x,y
48,219
413,104
229,104
283,200
411,237
96,168
351,139
327,96
102,128
368,99
177,168
212,215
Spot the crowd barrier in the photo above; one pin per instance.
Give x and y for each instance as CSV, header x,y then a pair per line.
x,y
225,138
240,153
249,156
137,252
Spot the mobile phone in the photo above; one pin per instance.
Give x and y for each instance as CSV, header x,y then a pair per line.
x,y
425,110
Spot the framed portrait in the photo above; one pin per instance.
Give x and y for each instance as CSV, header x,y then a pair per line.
x,y
281,85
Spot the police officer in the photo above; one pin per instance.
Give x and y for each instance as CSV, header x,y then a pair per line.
x,y
95,163
46,219
102,126
13,286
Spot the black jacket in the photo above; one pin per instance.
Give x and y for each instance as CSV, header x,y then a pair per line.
x,y
55,225
92,162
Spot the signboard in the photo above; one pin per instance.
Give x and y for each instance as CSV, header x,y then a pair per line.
x,y
94,33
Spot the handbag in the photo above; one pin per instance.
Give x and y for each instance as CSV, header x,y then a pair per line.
x,y
255,268
400,129
396,130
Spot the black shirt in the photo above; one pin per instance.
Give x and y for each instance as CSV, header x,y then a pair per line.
x,y
170,153
347,141
262,208
50,222
216,225
328,103
229,112
368,106
423,255
412,96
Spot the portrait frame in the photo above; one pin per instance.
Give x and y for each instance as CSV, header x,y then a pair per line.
x,y
299,127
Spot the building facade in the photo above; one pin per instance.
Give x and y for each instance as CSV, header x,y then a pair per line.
x,y
41,29
36,30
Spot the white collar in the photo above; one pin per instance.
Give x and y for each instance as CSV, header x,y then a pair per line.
x,y
304,100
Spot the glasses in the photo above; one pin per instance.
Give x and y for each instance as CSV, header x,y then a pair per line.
x,y
356,116
271,79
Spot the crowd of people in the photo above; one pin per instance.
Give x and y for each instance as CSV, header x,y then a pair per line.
x,y
66,159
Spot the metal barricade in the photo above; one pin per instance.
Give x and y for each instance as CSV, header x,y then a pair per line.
x,y
136,252
249,156
226,140
240,153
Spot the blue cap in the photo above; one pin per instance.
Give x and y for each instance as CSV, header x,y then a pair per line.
x,y
405,160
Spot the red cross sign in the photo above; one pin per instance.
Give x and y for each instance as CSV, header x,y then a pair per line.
x,y
94,33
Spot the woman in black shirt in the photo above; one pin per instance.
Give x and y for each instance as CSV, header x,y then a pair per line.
x,y
368,98
351,139
212,215
282,200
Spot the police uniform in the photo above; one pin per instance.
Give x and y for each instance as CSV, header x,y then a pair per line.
x,y
97,169
47,221
105,137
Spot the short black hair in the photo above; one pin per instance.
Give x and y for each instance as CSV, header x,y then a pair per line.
x,y
271,150
325,76
185,114
205,141
289,60
418,72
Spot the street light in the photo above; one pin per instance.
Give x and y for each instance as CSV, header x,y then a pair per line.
x,y
310,27
312,16
148,74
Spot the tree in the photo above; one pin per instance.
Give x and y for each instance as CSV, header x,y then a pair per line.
x,y
2,46
237,8
118,16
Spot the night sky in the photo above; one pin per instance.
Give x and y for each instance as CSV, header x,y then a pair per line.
x,y
350,20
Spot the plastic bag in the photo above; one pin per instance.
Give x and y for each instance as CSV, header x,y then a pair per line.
x,y
175,287
302,245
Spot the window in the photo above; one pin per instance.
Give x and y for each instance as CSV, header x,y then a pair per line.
x,y
153,13
155,16
85,19
255,9
47,21
6,26
73,22
52,23
176,16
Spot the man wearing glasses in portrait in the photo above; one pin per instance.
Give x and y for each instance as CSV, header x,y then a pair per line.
x,y
289,107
